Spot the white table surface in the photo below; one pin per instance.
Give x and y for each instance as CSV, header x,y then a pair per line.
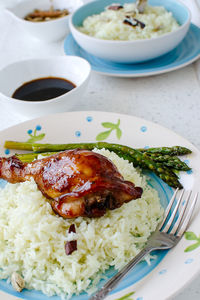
x,y
171,100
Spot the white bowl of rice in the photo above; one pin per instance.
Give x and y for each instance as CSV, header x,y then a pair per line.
x,y
119,32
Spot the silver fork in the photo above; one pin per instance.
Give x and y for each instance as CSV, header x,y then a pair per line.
x,y
167,235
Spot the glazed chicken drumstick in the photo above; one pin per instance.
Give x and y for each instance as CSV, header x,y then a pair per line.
x,y
78,182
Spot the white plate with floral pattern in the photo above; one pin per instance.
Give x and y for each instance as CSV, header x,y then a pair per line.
x,y
171,270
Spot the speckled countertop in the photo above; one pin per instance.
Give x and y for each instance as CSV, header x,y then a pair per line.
x,y
171,100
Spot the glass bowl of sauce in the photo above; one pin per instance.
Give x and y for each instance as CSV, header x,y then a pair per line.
x,y
37,87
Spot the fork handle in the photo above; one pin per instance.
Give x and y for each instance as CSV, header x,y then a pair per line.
x,y
111,284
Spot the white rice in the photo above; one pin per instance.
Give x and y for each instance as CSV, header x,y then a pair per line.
x,y
109,25
32,237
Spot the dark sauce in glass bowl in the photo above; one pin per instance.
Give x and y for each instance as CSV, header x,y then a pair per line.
x,y
43,89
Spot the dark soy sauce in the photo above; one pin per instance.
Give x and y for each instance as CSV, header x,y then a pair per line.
x,y
43,89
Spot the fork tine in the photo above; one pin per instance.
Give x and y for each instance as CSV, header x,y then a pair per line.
x,y
170,221
168,208
180,217
188,216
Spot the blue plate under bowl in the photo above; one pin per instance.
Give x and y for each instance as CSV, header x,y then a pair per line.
x,y
184,54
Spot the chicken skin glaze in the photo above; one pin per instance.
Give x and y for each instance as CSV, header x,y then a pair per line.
x,y
77,182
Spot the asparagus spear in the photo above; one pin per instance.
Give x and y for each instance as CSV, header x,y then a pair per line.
x,y
18,145
169,161
175,150
133,155
29,157
177,164
160,170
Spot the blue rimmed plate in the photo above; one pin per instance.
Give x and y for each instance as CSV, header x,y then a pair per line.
x,y
170,271
187,52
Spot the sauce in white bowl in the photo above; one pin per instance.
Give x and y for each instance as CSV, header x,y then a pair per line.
x,y
71,68
42,89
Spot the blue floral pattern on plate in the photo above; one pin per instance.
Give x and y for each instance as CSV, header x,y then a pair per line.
x,y
189,261
143,128
162,272
89,119
78,133
7,151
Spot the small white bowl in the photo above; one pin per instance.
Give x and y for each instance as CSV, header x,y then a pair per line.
x,y
48,31
75,69
130,51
